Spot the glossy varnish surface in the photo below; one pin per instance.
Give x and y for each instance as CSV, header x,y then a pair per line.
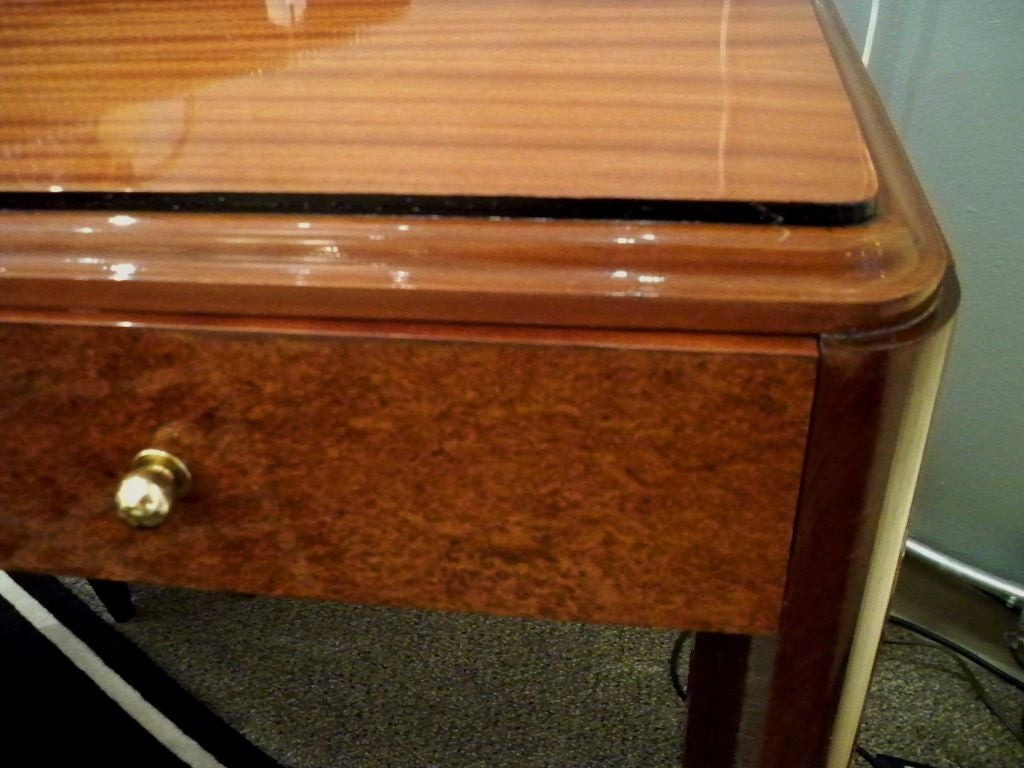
x,y
718,100
741,278
768,278
590,481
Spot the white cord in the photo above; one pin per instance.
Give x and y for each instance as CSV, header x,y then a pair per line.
x,y
869,40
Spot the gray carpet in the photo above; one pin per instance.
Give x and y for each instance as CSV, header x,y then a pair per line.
x,y
323,685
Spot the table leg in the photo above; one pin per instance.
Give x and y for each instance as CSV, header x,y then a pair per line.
x,y
796,702
116,597
728,688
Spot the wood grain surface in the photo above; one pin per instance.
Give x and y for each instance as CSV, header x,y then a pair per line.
x,y
768,278
621,99
598,483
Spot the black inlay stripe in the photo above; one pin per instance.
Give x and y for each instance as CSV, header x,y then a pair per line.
x,y
607,209
139,671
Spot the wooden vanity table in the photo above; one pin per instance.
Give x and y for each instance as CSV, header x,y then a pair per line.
x,y
624,312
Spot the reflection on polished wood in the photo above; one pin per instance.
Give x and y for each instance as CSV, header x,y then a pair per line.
x,y
652,275
727,278
656,99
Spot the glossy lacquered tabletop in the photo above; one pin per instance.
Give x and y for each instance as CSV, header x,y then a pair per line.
x,y
649,100
70,87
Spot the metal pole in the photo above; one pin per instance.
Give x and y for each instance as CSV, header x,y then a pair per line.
x,y
1011,591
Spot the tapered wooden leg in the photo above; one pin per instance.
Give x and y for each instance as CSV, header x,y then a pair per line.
x,y
728,687
872,410
872,404
116,597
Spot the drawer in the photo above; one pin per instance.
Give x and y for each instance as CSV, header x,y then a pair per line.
x,y
632,478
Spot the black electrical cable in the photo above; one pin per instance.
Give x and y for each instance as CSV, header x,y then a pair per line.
x,y
673,664
868,757
954,649
958,653
957,648
972,679
888,761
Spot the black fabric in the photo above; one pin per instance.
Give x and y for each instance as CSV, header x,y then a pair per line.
x,y
54,709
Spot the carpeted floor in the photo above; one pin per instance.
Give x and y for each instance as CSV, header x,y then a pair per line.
x,y
324,685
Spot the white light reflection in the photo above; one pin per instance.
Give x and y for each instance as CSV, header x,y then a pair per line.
x,y
122,221
303,225
625,240
723,70
56,188
648,236
399,278
403,227
122,271
650,279
620,274
286,13
125,324
84,230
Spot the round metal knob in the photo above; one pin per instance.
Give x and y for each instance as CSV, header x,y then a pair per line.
x,y
147,493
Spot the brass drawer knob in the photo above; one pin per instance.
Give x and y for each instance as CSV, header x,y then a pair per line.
x,y
146,494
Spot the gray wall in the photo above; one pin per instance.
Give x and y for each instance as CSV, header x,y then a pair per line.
x,y
951,73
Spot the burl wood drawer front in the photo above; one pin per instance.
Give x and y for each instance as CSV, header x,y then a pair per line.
x,y
591,481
